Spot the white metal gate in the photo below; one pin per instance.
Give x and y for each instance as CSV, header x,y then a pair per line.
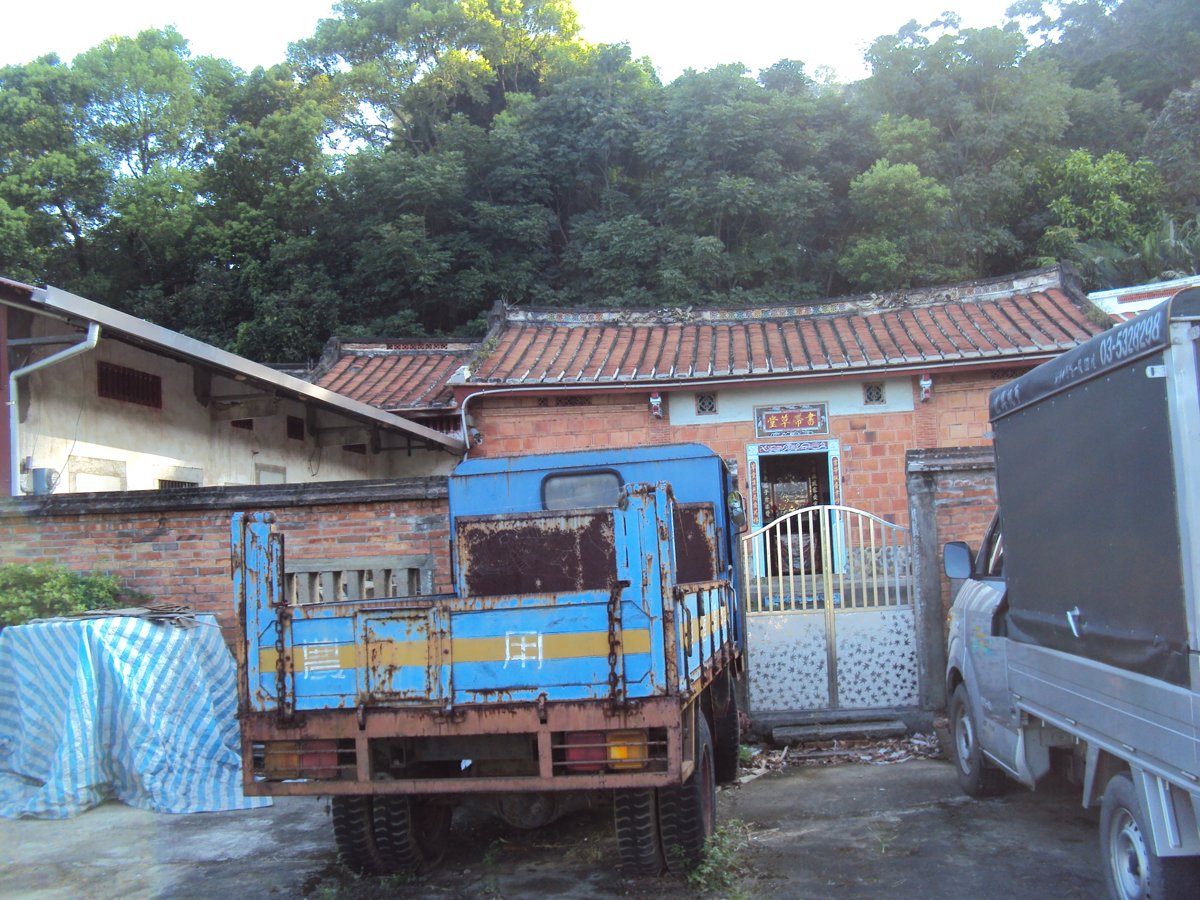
x,y
831,619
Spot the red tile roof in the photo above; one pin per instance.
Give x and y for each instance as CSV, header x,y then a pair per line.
x,y
1029,317
400,375
1025,318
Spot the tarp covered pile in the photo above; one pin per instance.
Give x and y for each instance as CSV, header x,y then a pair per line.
x,y
118,708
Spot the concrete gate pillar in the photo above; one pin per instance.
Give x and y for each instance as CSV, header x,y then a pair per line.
x,y
951,497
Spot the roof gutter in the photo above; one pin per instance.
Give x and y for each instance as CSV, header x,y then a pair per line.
x,y
14,414
746,380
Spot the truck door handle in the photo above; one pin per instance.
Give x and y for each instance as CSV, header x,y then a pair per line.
x,y
1073,621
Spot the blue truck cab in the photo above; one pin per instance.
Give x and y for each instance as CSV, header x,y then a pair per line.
x,y
593,644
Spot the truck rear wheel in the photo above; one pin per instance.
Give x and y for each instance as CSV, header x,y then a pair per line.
x,y
354,834
638,840
411,832
386,835
1131,868
976,776
687,813
727,728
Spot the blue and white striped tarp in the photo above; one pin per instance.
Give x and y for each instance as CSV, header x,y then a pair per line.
x,y
118,708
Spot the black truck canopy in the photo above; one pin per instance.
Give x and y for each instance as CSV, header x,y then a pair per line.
x,y
1148,333
1087,467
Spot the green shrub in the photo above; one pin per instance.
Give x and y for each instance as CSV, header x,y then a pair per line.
x,y
42,591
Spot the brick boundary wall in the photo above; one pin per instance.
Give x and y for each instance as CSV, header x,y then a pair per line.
x,y
175,545
952,497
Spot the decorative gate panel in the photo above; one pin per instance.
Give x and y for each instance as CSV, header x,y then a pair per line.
x,y
831,622
788,663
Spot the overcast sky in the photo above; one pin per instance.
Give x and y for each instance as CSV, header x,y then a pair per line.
x,y
675,34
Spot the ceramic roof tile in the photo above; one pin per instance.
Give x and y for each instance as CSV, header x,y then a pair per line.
x,y
1030,315
396,375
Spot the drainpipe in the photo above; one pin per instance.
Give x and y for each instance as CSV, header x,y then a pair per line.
x,y
14,415
462,413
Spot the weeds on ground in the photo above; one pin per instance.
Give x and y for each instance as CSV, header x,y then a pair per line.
x,y
884,835
722,864
339,883
492,855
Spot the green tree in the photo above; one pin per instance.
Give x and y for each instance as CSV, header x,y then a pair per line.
x,y
997,113
735,161
903,217
1091,200
403,67
1173,143
53,185
1147,47
142,108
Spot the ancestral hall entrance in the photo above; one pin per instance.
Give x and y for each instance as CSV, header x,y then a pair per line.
x,y
831,622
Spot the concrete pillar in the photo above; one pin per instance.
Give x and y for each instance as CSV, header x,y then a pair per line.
x,y
951,496
931,655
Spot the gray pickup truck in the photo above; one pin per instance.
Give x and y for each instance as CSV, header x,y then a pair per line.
x,y
1074,634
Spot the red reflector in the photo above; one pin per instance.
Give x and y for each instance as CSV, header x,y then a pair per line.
x,y
587,751
318,759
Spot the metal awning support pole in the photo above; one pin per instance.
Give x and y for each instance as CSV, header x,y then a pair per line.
x,y
14,415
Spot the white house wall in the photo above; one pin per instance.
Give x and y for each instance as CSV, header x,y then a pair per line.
x,y
845,398
92,443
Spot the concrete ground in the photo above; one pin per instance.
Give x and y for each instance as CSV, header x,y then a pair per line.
x,y
838,831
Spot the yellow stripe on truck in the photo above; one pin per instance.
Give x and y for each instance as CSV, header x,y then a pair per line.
x,y
319,657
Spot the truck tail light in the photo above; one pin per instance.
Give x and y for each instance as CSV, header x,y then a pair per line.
x,y
318,759
285,760
585,751
627,749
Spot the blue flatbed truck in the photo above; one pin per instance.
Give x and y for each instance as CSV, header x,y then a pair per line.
x,y
592,647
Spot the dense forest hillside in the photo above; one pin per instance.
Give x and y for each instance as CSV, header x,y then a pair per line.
x,y
412,162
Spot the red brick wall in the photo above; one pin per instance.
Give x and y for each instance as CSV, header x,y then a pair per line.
x,y
959,406
872,445
964,503
178,552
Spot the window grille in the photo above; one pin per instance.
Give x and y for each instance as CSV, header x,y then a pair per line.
x,y
570,400
873,394
128,385
167,484
706,404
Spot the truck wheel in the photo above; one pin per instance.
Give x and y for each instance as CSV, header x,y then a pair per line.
x,y
687,813
411,833
727,729
638,840
354,834
1131,868
976,776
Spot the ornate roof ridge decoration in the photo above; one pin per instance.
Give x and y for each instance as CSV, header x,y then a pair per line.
x,y
860,304
350,346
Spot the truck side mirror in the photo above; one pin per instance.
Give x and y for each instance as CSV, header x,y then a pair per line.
x,y
737,510
958,560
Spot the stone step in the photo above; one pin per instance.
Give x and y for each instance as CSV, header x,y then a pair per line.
x,y
825,731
